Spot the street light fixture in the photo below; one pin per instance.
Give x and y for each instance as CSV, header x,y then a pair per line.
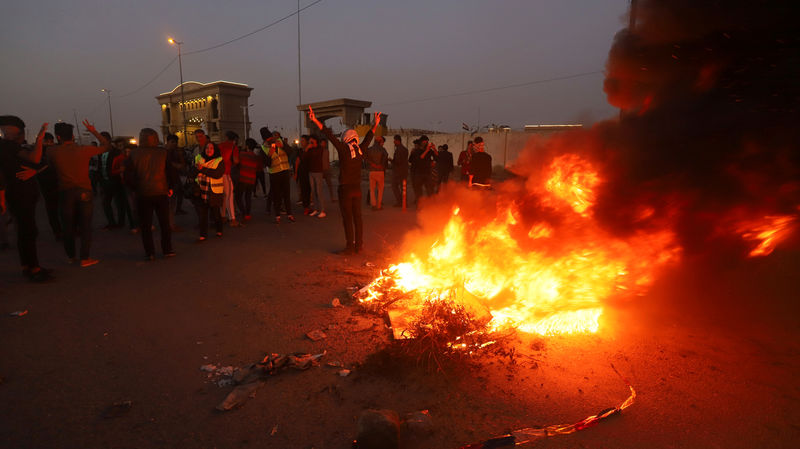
x,y
110,118
183,97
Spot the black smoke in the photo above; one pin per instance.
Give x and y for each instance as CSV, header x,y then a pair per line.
x,y
709,129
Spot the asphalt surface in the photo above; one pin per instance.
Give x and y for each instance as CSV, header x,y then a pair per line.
x,y
712,351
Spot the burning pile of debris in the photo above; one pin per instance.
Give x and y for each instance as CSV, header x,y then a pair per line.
x,y
703,156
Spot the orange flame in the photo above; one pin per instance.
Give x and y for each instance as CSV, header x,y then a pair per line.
x,y
767,233
529,273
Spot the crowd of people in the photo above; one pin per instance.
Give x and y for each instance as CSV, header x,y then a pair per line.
x,y
137,181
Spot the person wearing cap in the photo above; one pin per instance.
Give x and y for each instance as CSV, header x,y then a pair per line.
x,y
75,200
351,155
21,191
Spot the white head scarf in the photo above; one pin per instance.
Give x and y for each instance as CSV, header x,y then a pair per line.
x,y
350,137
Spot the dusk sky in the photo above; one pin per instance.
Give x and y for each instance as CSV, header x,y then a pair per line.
x,y
58,55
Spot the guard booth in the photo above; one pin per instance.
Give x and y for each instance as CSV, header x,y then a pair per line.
x,y
351,113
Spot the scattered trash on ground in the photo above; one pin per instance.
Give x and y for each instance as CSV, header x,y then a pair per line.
x,y
208,368
117,409
529,435
316,335
334,364
274,430
369,264
336,303
249,378
19,313
344,372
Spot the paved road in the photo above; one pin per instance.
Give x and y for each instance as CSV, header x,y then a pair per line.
x,y
712,351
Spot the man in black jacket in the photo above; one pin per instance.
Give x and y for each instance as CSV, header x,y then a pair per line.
x,y
351,155
151,176
21,192
444,162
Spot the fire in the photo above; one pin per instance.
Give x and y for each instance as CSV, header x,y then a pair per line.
x,y
573,180
537,275
767,233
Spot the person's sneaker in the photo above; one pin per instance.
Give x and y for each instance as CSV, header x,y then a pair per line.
x,y
134,231
89,262
234,224
290,217
169,254
72,260
219,234
149,258
109,227
200,239
307,211
248,217
278,220
322,215
315,213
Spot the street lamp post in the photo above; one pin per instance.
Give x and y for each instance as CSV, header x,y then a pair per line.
x,y
110,118
183,97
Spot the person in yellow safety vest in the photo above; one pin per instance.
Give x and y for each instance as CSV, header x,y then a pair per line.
x,y
209,178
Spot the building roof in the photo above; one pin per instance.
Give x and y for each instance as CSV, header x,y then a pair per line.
x,y
194,85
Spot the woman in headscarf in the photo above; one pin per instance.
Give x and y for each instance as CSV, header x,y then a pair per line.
x,y
351,155
210,170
